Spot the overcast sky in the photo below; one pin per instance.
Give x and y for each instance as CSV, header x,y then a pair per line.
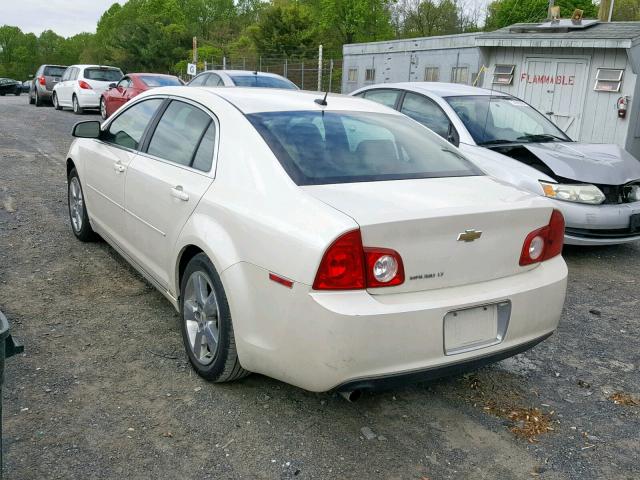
x,y
65,17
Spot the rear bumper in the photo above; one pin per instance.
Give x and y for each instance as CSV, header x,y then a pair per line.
x,y
88,98
321,340
598,224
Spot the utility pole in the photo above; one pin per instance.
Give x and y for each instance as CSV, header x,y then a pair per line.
x,y
320,67
195,50
605,12
551,5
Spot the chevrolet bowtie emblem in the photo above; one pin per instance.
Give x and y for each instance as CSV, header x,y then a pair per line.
x,y
469,235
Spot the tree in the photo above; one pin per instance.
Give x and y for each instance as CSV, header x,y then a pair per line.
x,y
626,10
502,13
425,18
349,21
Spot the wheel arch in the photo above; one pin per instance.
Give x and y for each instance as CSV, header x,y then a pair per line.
x,y
70,166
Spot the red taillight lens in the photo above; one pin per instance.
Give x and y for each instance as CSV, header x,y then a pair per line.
x,y
42,80
347,265
342,266
84,85
384,267
544,243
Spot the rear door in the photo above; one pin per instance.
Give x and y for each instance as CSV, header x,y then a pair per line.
x,y
106,166
555,87
165,183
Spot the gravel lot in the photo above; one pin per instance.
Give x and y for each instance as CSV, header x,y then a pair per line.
x,y
104,389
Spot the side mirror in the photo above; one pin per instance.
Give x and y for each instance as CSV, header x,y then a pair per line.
x,y
112,85
86,129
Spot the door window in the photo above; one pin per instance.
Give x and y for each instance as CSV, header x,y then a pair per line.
x,y
178,134
124,83
385,97
426,112
213,81
199,80
127,128
67,74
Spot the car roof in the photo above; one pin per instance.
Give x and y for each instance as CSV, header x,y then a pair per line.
x,y
245,72
256,99
93,66
440,89
141,74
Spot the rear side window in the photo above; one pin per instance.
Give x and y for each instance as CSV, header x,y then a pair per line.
x,y
103,74
262,81
54,71
128,127
318,148
385,97
179,132
213,81
204,155
199,80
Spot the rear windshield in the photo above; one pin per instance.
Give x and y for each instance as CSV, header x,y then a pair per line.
x,y
103,74
262,81
158,81
318,148
54,71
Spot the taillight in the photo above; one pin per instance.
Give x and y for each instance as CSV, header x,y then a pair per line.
x,y
42,80
84,85
347,265
544,243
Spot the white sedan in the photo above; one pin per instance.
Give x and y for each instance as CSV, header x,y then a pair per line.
x,y
595,186
331,245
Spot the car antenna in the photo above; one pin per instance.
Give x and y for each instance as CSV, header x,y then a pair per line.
x,y
322,101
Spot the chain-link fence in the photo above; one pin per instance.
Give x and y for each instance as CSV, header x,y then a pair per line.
x,y
303,72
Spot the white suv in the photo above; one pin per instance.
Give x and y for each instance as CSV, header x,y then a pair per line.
x,y
82,85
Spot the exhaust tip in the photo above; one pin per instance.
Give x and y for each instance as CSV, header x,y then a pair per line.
x,y
351,395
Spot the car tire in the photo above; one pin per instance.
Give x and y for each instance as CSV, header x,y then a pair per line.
x,y
206,323
54,99
31,100
17,92
2,94
77,109
38,100
103,108
78,215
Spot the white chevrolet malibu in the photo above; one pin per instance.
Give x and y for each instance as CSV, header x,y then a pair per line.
x,y
331,244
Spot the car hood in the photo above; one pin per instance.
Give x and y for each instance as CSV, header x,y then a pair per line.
x,y
584,162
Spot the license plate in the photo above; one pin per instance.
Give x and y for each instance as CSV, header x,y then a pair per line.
x,y
634,223
476,327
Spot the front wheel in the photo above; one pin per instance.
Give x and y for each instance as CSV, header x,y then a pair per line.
x,y
77,109
207,329
78,210
56,105
103,108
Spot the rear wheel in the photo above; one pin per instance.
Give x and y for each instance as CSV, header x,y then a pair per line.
x,y
31,100
103,108
56,105
18,92
38,100
207,329
78,210
77,109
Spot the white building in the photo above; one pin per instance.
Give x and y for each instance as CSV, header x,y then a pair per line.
x,y
576,74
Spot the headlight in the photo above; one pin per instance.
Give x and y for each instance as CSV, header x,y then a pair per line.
x,y
573,193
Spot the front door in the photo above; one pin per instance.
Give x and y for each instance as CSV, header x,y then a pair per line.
x,y
165,184
555,87
107,165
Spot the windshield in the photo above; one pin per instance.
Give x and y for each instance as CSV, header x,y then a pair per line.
x,y
103,74
158,81
54,71
318,147
262,81
504,120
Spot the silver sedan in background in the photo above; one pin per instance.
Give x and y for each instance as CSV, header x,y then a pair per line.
x,y
595,186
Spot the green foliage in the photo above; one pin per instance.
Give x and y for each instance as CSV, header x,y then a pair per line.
x,y
502,13
626,10
349,21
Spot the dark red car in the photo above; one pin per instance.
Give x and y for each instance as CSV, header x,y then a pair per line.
x,y
131,85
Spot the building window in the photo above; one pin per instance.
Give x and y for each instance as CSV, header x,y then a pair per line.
x,y
370,75
460,75
608,80
431,74
503,74
352,76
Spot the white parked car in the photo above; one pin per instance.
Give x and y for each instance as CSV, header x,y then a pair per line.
x,y
329,246
595,186
241,78
81,86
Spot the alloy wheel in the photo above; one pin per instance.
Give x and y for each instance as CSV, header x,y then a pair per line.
x,y
76,204
201,315
103,109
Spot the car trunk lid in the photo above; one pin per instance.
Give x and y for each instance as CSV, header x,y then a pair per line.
x,y
448,231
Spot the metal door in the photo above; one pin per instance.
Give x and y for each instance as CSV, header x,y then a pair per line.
x,y
556,88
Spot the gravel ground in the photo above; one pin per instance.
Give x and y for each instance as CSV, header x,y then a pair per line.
x,y
104,389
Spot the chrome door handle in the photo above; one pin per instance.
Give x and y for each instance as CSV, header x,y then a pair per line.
x,y
118,167
179,193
